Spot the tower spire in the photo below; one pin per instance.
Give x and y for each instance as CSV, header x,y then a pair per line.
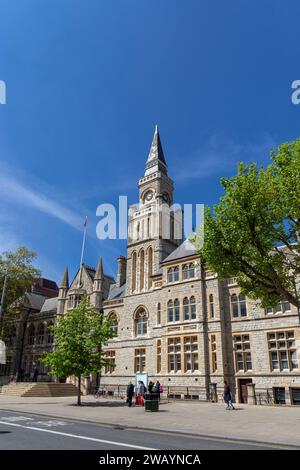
x,y
99,271
156,159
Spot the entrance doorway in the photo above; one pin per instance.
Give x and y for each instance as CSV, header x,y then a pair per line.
x,y
243,390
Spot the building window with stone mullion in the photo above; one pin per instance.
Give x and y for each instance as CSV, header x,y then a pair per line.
x,y
190,354
211,307
238,306
139,360
188,271
141,322
110,357
158,356
31,335
282,351
40,334
281,307
50,333
174,354
173,274
242,350
213,348
173,311
158,314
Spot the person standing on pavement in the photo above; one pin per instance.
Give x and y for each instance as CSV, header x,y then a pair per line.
x,y
129,393
150,386
157,389
227,396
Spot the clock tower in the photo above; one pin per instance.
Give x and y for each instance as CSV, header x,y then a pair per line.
x,y
151,233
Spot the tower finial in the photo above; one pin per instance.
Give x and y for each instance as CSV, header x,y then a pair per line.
x,y
65,280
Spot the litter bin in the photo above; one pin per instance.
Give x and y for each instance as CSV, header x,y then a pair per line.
x,y
151,402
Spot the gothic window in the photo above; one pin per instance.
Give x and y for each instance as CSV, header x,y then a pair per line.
x,y
142,270
114,323
211,307
50,337
188,271
170,311
173,311
238,305
141,322
213,351
133,271
40,334
31,335
150,266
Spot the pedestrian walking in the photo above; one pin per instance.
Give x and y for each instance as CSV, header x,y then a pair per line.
x,y
227,396
150,386
129,393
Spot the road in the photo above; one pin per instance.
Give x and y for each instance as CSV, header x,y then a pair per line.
x,y
25,431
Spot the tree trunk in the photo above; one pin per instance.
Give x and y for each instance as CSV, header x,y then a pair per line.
x,y
79,391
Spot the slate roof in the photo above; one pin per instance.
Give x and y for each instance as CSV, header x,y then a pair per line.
x,y
184,250
34,301
49,305
116,292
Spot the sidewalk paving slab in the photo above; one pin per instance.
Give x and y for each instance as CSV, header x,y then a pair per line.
x,y
268,424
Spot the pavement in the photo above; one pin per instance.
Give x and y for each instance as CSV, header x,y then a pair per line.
x,y
267,426
19,431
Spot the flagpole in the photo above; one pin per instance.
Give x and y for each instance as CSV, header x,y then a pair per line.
x,y
82,250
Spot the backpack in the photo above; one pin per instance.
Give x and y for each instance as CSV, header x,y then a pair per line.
x,y
161,389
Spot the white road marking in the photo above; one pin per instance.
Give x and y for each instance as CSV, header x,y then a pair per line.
x,y
123,444
16,418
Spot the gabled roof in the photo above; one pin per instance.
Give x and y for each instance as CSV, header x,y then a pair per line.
x,y
184,250
34,301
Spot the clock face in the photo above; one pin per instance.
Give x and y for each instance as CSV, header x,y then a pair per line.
x,y
149,195
165,197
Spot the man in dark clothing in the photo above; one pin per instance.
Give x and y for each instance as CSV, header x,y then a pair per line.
x,y
129,393
35,374
227,396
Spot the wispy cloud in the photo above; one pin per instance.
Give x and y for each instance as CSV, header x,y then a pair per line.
x,y
16,190
219,153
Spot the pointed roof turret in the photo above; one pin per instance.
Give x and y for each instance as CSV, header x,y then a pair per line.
x,y
99,271
65,280
156,159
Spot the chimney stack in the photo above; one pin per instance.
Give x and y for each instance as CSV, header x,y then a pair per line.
x,y
122,261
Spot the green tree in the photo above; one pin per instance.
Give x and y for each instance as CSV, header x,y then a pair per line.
x,y
253,232
78,337
18,268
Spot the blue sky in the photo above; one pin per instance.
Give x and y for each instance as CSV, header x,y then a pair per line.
x,y
88,80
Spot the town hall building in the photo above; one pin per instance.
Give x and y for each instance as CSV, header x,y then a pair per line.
x,y
177,322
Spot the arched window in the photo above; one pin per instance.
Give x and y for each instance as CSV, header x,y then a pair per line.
x,y
50,335
170,311
189,308
177,310
158,314
186,308
150,265
238,306
40,334
142,269
31,335
114,323
133,273
188,271
211,307
141,322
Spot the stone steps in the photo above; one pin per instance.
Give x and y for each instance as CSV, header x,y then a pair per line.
x,y
39,389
